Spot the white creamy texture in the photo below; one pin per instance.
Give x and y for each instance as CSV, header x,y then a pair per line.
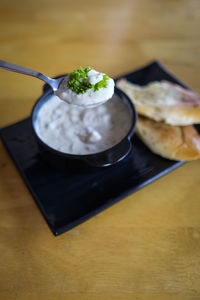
x,y
77,130
89,98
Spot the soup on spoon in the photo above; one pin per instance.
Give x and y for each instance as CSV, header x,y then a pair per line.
x,y
86,88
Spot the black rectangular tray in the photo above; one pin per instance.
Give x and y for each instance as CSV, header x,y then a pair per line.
x,y
67,198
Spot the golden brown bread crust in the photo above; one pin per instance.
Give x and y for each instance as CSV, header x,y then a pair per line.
x,y
171,115
164,102
172,142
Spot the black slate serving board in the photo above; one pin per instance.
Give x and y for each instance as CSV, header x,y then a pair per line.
x,y
67,198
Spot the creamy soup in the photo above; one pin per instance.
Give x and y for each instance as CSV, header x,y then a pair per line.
x,y
76,130
89,97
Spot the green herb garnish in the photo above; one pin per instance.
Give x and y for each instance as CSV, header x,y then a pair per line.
x,y
78,81
100,84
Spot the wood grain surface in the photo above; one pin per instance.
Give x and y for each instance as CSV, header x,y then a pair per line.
x,y
145,247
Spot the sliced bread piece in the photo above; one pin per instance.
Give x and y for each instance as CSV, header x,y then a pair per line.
x,y
164,102
172,142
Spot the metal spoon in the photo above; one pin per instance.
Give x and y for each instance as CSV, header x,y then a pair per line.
x,y
54,83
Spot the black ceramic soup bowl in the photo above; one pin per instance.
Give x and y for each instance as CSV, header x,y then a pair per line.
x,y
105,158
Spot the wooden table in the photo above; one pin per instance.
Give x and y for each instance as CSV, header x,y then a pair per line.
x,y
147,246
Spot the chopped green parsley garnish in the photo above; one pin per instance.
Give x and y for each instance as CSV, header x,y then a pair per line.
x,y
78,81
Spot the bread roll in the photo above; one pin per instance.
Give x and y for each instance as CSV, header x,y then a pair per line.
x,y
164,102
172,142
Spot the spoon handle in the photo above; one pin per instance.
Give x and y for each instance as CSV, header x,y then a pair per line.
x,y
15,68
